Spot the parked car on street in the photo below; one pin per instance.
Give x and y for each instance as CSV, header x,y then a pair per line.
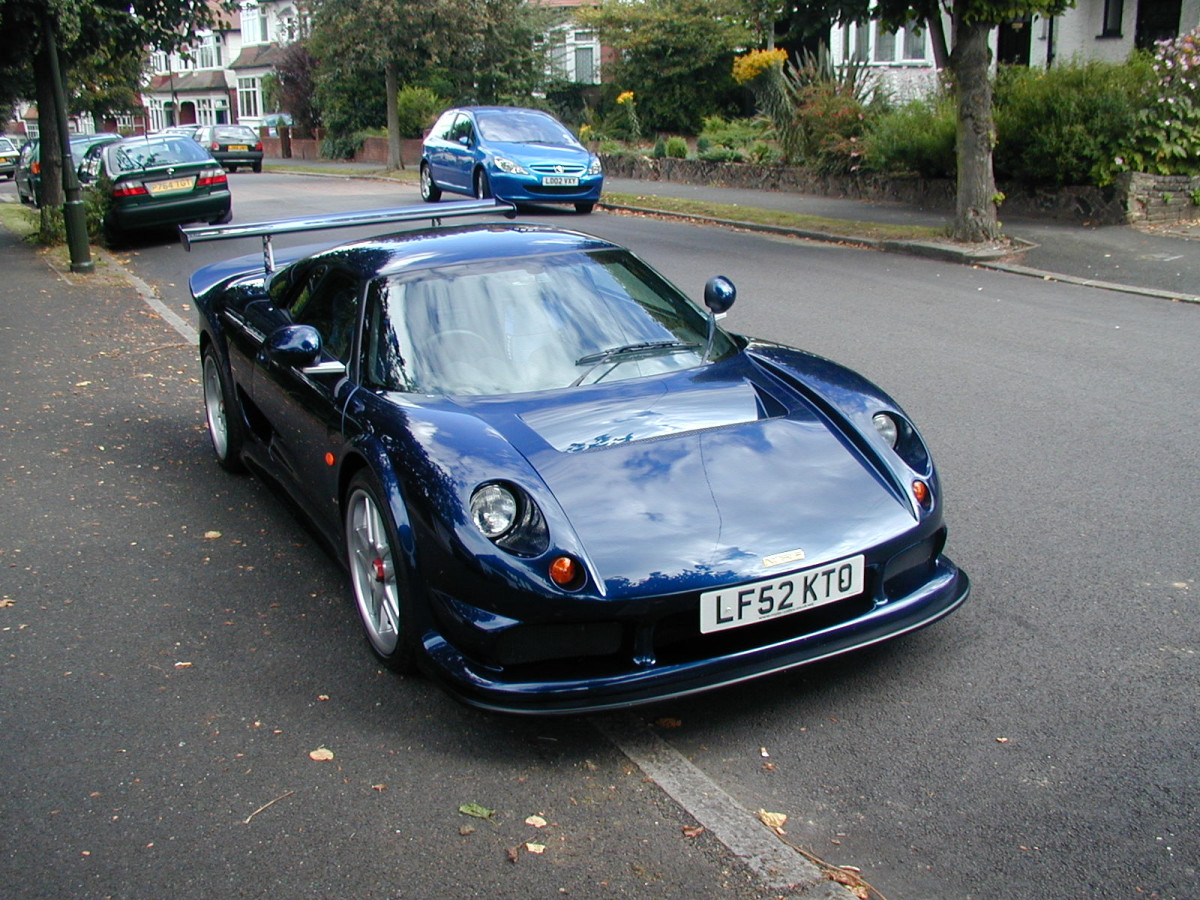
x,y
556,482
155,181
232,145
8,157
518,155
29,166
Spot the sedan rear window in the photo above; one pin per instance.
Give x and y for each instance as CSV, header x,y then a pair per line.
x,y
130,156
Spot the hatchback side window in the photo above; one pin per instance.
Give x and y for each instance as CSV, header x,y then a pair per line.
x,y
463,129
443,127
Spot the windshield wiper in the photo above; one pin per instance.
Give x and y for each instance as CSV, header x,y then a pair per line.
x,y
629,351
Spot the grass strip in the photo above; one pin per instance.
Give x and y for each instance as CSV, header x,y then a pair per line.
x,y
778,218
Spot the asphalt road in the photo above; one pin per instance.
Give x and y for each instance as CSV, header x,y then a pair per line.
x,y
168,632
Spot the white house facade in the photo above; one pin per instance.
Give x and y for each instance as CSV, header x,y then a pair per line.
x,y
903,64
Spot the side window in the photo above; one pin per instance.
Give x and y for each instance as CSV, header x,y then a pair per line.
x,y
383,364
89,169
329,301
463,129
442,129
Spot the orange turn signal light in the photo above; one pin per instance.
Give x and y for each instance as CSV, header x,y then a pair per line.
x,y
566,572
921,491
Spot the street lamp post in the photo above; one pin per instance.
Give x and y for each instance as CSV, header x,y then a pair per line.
x,y
74,219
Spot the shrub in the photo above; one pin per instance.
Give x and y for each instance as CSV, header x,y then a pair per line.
x,y
918,137
1166,139
730,133
660,149
677,148
342,146
415,109
1067,125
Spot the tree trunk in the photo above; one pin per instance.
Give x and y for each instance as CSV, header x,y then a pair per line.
x,y
937,38
392,86
50,195
975,215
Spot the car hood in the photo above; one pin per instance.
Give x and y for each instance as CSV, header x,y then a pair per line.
x,y
671,483
545,154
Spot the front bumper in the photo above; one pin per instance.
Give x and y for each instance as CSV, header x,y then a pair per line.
x,y
940,591
530,189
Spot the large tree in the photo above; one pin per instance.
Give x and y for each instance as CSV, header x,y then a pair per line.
x,y
94,37
675,55
481,49
969,62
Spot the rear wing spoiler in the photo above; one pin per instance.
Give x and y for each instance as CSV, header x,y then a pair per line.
x,y
433,212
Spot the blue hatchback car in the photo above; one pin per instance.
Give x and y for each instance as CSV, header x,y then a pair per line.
x,y
519,155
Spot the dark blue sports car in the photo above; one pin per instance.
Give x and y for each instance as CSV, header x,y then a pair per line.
x,y
556,483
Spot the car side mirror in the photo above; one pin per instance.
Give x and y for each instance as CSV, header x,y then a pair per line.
x,y
293,345
719,294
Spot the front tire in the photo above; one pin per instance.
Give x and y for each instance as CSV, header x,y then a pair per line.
x,y
430,192
583,207
379,574
483,187
220,409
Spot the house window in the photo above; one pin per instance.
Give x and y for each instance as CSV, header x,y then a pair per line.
x,y
885,43
856,43
1114,12
254,24
249,97
159,61
207,53
914,41
585,65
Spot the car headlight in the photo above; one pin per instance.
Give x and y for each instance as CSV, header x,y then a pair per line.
x,y
512,168
887,428
494,510
595,168
509,518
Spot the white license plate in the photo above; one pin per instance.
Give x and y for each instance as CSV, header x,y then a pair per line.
x,y
746,604
560,181
175,184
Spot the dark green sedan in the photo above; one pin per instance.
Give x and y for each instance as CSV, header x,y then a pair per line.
x,y
155,181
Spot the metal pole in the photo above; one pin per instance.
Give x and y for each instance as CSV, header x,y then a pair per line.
x,y
74,219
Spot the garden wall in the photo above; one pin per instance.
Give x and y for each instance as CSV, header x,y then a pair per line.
x,y
1134,198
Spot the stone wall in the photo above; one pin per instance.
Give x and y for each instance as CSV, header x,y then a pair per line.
x,y
1132,199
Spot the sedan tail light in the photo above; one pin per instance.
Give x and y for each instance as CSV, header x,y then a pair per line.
x,y
129,189
211,177
214,146
258,146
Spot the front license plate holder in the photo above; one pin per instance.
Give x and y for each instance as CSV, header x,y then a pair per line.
x,y
758,601
560,181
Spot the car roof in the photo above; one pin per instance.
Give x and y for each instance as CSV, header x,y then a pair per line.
x,y
430,248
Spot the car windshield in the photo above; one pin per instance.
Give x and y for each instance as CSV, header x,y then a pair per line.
x,y
524,128
6,145
130,156
544,323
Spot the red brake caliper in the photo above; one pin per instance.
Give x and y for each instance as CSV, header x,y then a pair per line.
x,y
380,570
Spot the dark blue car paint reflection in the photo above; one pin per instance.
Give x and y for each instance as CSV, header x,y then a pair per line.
x,y
671,474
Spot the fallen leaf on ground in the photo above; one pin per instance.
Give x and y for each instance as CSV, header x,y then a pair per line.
x,y
536,849
321,754
379,787
476,810
464,830
774,821
536,821
693,830
668,723
212,535
513,854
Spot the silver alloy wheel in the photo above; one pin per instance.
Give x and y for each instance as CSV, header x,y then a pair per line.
x,y
373,572
426,181
214,408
